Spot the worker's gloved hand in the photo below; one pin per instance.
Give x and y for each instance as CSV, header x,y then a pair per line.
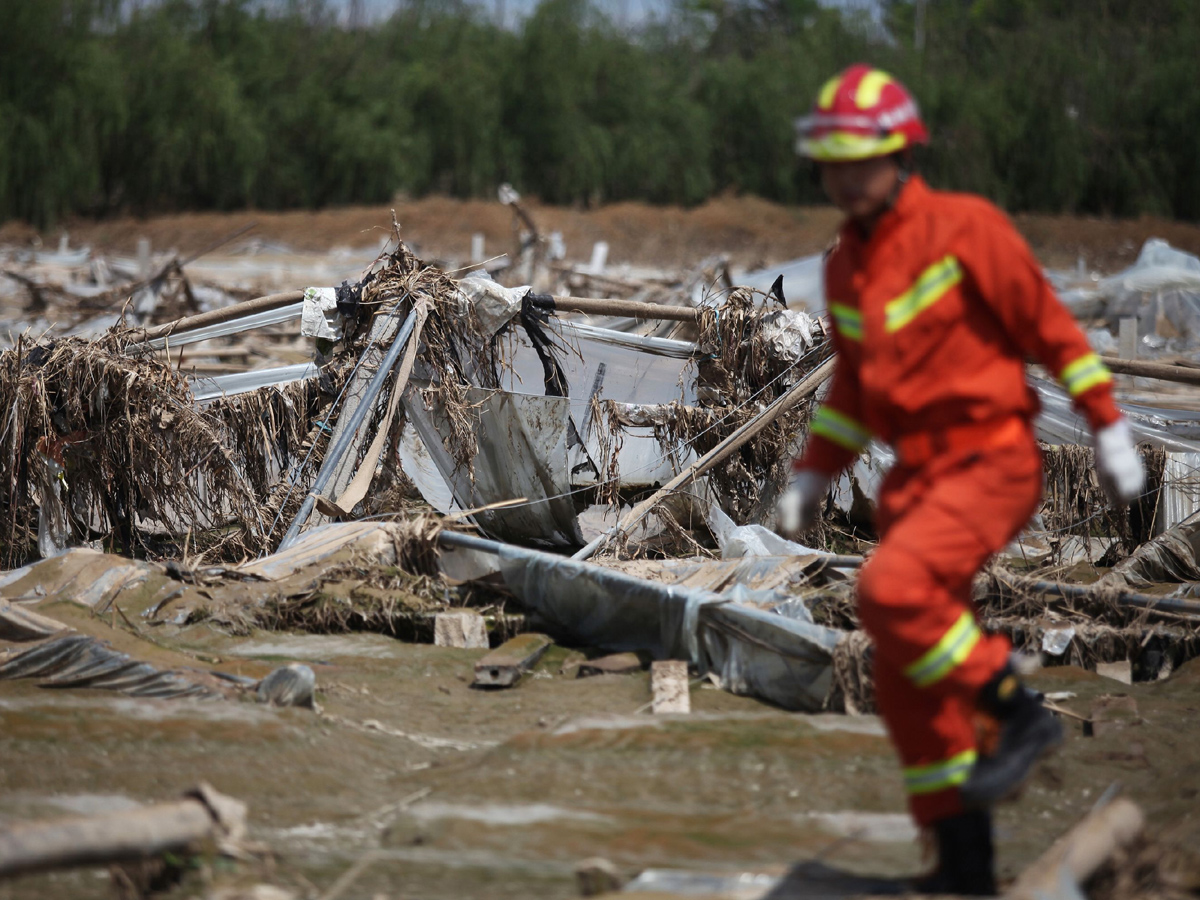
x,y
1118,464
800,503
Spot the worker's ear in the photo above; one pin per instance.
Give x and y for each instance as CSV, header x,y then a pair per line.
x,y
906,162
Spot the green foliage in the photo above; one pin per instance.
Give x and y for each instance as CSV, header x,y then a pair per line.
x,y
1062,105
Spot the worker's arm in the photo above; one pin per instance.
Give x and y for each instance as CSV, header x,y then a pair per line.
x,y
836,433
1010,280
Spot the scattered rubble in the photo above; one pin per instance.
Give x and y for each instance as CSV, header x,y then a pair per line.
x,y
420,456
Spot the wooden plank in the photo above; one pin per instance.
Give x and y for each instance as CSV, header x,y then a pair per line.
x,y
505,665
1076,856
1177,374
127,835
669,682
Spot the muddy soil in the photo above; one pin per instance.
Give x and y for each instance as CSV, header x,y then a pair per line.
x,y
750,231
455,792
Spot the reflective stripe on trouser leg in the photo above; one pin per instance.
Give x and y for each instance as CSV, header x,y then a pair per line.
x,y
925,727
939,776
948,653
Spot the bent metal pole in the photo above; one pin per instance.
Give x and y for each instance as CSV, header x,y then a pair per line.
x,y
338,448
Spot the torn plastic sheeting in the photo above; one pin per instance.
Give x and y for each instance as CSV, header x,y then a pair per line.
x,y
1162,290
856,490
419,466
319,316
762,654
1169,558
373,540
494,305
789,332
751,540
522,452
206,389
608,371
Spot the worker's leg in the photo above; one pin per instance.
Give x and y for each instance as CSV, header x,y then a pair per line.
x,y
938,531
931,658
934,738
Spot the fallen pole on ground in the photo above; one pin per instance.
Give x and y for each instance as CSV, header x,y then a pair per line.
x,y
121,836
803,389
1148,602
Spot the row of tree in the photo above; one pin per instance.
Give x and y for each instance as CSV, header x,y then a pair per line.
x,y
1061,105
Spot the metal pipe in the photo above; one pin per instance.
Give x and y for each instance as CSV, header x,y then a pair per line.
x,y
338,448
224,314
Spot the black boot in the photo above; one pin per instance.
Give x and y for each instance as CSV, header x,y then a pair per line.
x,y
1027,732
965,857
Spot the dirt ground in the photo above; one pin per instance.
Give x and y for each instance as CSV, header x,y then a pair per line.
x,y
750,231
437,790
552,772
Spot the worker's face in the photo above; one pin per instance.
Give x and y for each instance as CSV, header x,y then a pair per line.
x,y
862,189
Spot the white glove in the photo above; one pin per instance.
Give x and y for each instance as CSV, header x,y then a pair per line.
x,y
1118,464
800,503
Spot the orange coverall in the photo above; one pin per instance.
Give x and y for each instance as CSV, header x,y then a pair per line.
x,y
934,315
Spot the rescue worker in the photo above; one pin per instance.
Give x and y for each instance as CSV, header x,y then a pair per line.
x,y
936,303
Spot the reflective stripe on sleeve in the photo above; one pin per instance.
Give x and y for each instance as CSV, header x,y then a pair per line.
x,y
940,775
930,287
954,647
847,320
1084,374
841,429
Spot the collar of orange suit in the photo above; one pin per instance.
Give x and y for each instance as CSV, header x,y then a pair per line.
x,y
911,197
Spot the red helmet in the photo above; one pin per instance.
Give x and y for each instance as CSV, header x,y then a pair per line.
x,y
860,113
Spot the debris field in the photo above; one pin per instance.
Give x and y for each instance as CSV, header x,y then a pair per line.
x,y
456,578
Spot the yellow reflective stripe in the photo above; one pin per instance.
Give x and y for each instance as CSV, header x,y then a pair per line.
x,y
930,287
841,429
828,92
847,321
954,647
870,88
940,775
842,146
1084,374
